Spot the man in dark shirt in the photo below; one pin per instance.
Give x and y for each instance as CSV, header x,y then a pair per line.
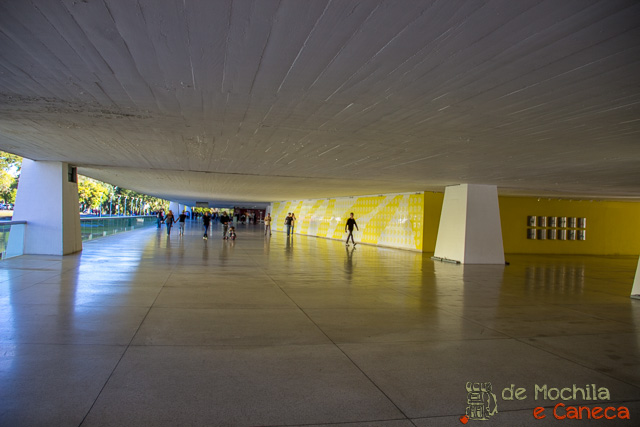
x,y
288,222
181,222
160,217
206,220
351,222
224,220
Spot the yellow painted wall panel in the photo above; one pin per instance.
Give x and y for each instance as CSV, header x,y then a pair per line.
x,y
387,232
431,221
410,221
613,228
389,220
297,211
278,213
307,216
326,220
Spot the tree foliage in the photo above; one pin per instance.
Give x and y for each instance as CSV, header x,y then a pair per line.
x,y
9,171
109,199
92,194
9,161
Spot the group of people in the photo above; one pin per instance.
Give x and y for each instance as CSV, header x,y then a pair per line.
x,y
290,222
169,219
229,231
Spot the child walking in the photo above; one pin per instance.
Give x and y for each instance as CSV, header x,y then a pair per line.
x,y
232,233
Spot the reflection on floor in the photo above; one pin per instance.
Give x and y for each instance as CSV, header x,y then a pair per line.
x,y
142,329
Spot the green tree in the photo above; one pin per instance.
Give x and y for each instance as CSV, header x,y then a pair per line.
x,y
9,170
8,161
94,194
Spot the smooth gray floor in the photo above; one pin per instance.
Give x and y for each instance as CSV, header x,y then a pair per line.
x,y
144,330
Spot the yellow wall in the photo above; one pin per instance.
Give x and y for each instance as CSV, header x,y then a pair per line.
x,y
410,221
392,220
431,222
613,228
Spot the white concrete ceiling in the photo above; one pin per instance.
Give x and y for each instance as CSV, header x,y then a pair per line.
x,y
271,100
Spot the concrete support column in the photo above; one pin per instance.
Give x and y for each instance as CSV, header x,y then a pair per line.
x,y
470,230
635,291
175,208
47,199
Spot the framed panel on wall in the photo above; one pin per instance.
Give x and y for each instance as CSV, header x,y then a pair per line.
x,y
542,221
556,228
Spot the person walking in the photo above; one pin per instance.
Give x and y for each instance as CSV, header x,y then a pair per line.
x,y
224,220
160,217
293,222
287,222
169,220
351,222
267,224
182,222
206,220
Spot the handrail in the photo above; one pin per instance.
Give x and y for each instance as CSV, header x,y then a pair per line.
x,y
96,218
3,222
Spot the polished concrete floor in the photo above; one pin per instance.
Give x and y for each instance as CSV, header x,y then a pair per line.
x,y
144,330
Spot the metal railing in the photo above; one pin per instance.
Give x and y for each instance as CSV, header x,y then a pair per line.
x,y
17,227
90,228
93,228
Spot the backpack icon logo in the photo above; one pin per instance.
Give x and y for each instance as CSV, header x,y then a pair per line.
x,y
481,401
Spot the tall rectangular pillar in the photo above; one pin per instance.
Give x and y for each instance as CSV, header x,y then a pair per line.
x,y
47,200
635,291
469,230
175,208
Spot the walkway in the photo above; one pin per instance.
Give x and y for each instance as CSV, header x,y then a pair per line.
x,y
144,330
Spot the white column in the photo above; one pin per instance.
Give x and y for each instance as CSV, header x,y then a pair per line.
x,y
48,201
635,291
175,208
470,230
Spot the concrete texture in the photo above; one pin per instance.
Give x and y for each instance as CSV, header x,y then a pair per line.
x,y
143,329
266,100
